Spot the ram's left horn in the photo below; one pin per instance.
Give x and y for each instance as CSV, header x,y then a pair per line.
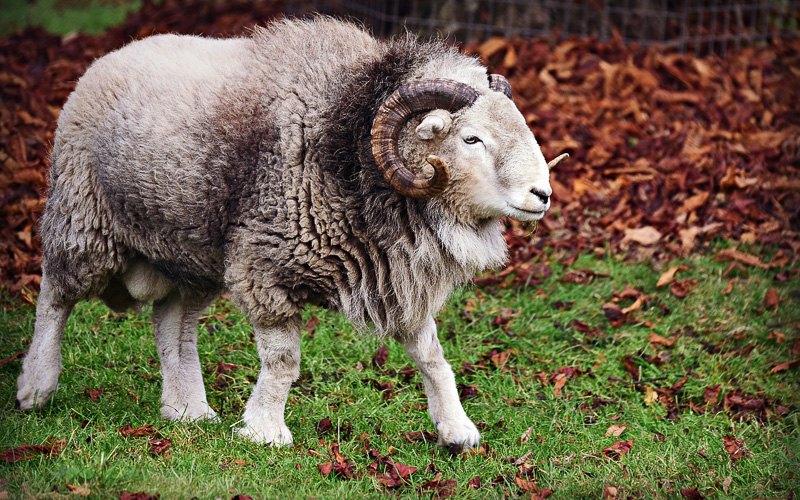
x,y
555,161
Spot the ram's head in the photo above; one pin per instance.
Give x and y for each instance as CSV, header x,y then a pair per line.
x,y
478,144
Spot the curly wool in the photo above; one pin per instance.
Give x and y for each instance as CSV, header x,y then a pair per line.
x,y
257,177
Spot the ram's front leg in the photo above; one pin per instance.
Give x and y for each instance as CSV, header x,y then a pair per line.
x,y
456,430
279,349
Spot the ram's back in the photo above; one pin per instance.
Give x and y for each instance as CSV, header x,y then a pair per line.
x,y
131,170
164,140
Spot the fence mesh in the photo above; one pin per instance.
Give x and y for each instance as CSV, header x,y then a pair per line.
x,y
702,26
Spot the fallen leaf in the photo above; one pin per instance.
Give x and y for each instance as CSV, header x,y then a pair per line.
x,y
560,381
145,430
159,446
658,339
635,306
691,494
137,496
688,237
491,46
615,430
726,483
562,306
781,367
440,488
729,287
499,358
647,235
525,485
526,435
79,490
771,300
380,357
421,436
325,468
735,447
609,492
667,276
682,288
745,258
28,451
311,324
94,394
324,427
650,395
618,449
581,276
710,394
693,203
779,337
630,367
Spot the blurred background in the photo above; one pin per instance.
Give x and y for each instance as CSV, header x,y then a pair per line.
x,y
681,118
699,26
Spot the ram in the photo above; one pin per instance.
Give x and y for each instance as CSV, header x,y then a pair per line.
x,y
307,163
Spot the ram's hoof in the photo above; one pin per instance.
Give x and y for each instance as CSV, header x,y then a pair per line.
x,y
189,413
274,435
457,437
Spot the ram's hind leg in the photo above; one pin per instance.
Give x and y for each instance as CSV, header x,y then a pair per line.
x,y
175,324
456,430
279,349
42,365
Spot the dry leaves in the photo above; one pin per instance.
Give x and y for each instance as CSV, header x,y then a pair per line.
x,y
666,277
28,451
771,300
668,150
618,450
143,431
786,365
79,490
137,496
735,447
691,494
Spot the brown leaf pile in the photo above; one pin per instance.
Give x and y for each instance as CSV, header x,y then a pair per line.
x,y
667,150
37,73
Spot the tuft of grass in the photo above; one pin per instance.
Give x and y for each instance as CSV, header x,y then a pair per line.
x,y
506,346
62,17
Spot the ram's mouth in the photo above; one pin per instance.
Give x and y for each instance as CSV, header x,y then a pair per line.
x,y
525,215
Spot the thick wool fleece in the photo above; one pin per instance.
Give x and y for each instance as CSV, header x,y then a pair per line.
x,y
246,166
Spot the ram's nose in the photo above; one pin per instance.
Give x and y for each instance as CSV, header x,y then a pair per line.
x,y
543,192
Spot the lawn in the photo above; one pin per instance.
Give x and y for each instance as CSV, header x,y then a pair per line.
x,y
595,380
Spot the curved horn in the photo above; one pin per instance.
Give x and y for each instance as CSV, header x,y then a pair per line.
x,y
409,99
498,83
555,161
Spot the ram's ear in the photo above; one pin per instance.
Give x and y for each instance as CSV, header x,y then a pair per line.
x,y
437,122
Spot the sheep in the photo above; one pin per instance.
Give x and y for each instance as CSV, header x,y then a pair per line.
x,y
306,163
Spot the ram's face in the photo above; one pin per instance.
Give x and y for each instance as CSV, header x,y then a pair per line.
x,y
496,167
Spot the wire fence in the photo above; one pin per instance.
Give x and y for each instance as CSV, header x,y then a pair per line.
x,y
701,26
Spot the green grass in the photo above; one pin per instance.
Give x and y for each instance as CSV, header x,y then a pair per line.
x,y
567,433
64,16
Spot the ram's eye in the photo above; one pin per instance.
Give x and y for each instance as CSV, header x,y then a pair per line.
x,y
471,139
